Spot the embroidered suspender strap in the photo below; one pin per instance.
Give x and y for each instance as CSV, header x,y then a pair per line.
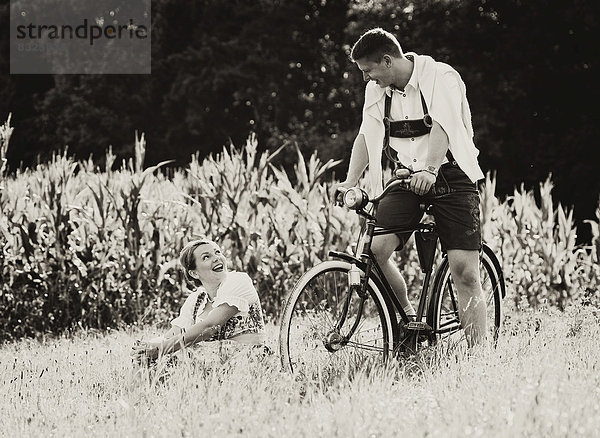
x,y
386,137
199,300
427,120
386,120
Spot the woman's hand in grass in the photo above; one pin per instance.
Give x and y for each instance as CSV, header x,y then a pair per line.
x,y
145,351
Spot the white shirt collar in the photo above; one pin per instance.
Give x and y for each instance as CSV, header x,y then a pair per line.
x,y
413,81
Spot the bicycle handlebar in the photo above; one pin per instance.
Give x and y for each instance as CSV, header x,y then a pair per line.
x,y
392,184
359,198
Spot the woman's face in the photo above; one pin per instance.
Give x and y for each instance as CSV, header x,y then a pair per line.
x,y
211,264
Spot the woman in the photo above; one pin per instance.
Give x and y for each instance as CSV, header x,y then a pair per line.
x,y
224,305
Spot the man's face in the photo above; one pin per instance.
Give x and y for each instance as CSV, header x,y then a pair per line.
x,y
380,72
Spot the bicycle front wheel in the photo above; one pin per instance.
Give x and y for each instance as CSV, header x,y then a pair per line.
x,y
309,341
444,312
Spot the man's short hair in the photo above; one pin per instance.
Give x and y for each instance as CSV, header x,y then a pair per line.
x,y
375,43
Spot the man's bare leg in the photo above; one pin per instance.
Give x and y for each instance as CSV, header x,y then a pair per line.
x,y
383,247
464,268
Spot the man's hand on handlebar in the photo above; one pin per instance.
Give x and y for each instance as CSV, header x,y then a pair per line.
x,y
402,177
402,173
421,182
337,191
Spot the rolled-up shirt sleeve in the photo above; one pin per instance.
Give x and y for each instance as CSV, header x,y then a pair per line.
x,y
186,313
371,113
373,131
237,291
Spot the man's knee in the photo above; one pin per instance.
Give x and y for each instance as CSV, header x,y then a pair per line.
x,y
468,277
464,267
383,249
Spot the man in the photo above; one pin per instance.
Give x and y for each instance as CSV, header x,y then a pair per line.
x,y
423,105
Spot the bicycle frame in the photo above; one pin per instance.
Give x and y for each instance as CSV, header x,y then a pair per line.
x,y
426,251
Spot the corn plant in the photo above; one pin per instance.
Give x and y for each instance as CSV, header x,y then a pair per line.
x,y
271,227
140,152
91,248
589,262
5,132
537,245
595,228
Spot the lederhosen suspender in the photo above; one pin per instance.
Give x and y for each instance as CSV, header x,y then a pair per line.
x,y
406,128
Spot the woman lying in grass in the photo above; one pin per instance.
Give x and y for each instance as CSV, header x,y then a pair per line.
x,y
224,305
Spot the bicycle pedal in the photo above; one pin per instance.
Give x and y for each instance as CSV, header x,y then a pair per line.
x,y
419,325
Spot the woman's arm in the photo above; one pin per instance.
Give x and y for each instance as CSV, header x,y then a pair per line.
x,y
201,331
174,331
150,349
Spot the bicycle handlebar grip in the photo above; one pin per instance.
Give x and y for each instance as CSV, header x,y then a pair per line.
x,y
339,196
402,173
401,178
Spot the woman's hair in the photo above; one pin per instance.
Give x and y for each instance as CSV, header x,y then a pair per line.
x,y
375,43
188,261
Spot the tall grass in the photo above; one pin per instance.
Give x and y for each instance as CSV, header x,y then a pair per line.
x,y
98,249
541,380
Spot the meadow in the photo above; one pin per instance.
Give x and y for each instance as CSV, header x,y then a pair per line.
x,y
542,380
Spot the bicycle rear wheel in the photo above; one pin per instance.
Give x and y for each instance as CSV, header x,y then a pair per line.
x,y
444,315
309,342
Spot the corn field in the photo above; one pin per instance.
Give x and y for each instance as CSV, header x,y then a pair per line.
x,y
85,247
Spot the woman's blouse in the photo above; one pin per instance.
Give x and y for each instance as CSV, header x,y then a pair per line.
x,y
236,290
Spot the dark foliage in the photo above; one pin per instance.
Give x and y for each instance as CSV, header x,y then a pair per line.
x,y
280,68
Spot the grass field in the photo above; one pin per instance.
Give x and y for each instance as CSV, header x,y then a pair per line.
x,y
542,380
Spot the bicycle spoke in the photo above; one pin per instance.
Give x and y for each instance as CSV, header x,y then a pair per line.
x,y
317,305
314,343
307,312
365,347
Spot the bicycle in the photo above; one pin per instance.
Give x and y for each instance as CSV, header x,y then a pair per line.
x,y
344,310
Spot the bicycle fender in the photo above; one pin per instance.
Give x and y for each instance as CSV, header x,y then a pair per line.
x,y
359,263
490,254
362,265
346,257
435,287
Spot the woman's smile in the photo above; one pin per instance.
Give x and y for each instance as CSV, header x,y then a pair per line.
x,y
211,264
